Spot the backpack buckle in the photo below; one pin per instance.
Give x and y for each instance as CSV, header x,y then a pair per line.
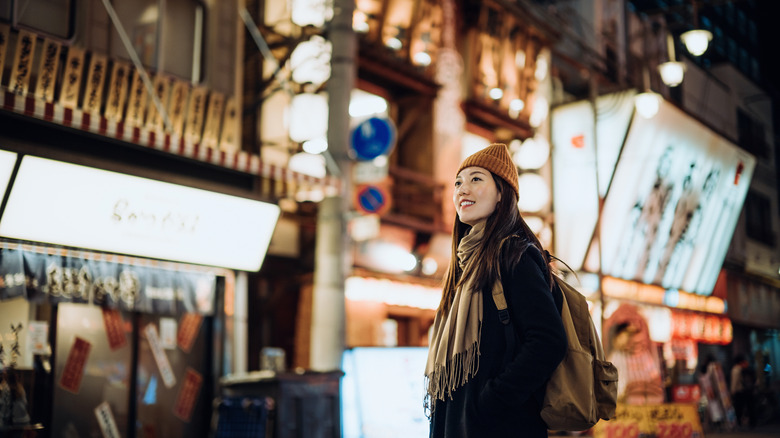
x,y
503,315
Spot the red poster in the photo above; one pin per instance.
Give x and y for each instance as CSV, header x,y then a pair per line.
x,y
74,366
112,319
188,394
189,326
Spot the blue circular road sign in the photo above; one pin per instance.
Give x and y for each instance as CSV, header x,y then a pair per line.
x,y
372,199
373,137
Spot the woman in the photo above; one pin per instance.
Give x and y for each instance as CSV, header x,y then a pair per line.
x,y
478,384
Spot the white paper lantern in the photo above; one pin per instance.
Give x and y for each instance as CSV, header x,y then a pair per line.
x,y
308,164
540,111
534,192
311,12
533,153
308,117
310,61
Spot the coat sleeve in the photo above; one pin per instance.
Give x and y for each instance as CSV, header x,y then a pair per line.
x,y
542,343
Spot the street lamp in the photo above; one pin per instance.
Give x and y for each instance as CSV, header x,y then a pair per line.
x,y
672,72
648,102
696,41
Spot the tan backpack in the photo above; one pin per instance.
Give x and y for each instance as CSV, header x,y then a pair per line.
x,y
583,389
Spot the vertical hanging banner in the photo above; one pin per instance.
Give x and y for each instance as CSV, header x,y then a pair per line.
x,y
22,65
228,140
169,379
117,91
4,35
47,70
71,85
75,364
193,127
136,104
162,89
96,76
177,107
213,119
188,395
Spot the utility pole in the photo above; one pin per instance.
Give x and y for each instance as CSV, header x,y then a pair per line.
x,y
333,259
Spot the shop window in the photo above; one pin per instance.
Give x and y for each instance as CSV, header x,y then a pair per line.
x,y
167,35
51,17
759,218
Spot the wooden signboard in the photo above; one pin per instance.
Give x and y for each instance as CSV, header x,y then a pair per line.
x,y
23,57
136,104
162,89
178,106
117,91
193,127
229,140
47,70
213,120
71,84
96,77
5,33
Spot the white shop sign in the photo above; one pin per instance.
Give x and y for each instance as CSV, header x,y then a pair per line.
x,y
84,207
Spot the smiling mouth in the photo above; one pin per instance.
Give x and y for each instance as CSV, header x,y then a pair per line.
x,y
466,204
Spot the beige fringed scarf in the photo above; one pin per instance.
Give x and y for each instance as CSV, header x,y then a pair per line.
x,y
453,356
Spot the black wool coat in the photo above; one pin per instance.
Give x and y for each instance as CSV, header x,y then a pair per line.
x,y
504,398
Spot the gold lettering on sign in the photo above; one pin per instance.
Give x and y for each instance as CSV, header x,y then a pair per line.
x,y
213,119
162,89
5,32
137,101
195,113
229,138
71,81
47,70
95,80
117,91
20,69
178,105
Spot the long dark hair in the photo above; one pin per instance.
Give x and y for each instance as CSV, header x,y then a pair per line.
x,y
506,238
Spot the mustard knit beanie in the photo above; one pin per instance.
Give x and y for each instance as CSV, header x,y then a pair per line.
x,y
496,159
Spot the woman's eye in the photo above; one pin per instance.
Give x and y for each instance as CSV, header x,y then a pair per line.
x,y
476,178
457,183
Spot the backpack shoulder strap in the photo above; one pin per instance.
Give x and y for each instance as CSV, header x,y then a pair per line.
x,y
578,308
498,294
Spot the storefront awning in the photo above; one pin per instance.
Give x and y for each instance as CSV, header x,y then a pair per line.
x,y
55,276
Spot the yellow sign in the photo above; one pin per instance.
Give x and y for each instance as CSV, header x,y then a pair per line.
x,y
5,33
20,69
47,70
661,421
96,77
71,82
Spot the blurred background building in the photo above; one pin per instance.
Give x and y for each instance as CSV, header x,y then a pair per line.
x,y
214,199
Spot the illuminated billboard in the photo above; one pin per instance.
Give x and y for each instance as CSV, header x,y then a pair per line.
x,y
671,199
66,204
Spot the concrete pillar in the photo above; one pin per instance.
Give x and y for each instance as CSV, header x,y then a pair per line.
x,y
333,258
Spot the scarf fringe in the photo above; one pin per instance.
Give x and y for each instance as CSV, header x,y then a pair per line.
x,y
452,375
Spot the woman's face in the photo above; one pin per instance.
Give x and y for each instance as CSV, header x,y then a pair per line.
x,y
475,196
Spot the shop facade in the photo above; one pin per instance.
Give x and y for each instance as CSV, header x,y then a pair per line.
x,y
135,221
